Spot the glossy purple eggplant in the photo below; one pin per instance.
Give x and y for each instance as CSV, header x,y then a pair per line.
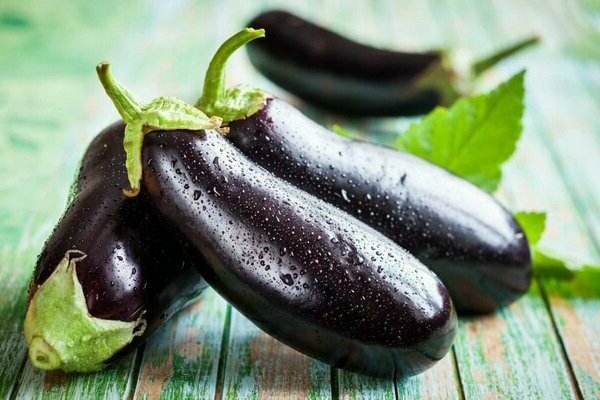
x,y
136,271
463,234
304,271
340,75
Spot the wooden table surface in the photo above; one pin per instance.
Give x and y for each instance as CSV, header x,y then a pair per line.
x,y
546,346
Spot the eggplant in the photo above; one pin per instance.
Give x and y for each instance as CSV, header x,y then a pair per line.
x,y
111,272
340,75
304,271
459,231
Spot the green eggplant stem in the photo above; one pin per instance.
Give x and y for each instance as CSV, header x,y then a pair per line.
x,y
214,81
480,66
237,102
126,104
162,113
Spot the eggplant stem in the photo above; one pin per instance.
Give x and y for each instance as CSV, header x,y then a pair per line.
x,y
484,64
126,104
238,102
162,113
214,81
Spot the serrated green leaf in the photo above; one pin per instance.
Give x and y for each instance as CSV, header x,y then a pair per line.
x,y
584,278
474,137
533,224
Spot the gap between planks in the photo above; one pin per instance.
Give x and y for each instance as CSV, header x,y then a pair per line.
x,y
223,354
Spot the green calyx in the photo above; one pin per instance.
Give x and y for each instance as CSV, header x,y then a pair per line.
x,y
60,332
452,82
441,79
163,113
237,102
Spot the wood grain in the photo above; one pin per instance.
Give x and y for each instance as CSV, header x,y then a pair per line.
x,y
354,386
260,367
568,133
112,383
440,382
181,359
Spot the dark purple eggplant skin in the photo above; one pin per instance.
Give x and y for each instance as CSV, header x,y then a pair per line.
x,y
337,74
304,271
463,234
135,266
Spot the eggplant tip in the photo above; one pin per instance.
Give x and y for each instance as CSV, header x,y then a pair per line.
x,y
61,333
43,355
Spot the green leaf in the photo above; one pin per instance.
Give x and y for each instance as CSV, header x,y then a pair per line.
x,y
584,278
474,137
533,224
550,266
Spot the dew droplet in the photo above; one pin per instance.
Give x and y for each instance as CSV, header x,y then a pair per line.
x,y
287,279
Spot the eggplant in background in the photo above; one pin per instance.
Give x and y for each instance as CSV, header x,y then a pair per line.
x,y
337,74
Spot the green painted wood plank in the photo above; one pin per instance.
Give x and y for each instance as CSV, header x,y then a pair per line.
x,y
260,367
181,359
576,315
354,386
12,287
577,319
571,131
440,382
513,354
112,383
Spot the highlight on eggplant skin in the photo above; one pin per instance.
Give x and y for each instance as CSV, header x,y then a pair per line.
x,y
462,233
133,268
340,75
305,272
